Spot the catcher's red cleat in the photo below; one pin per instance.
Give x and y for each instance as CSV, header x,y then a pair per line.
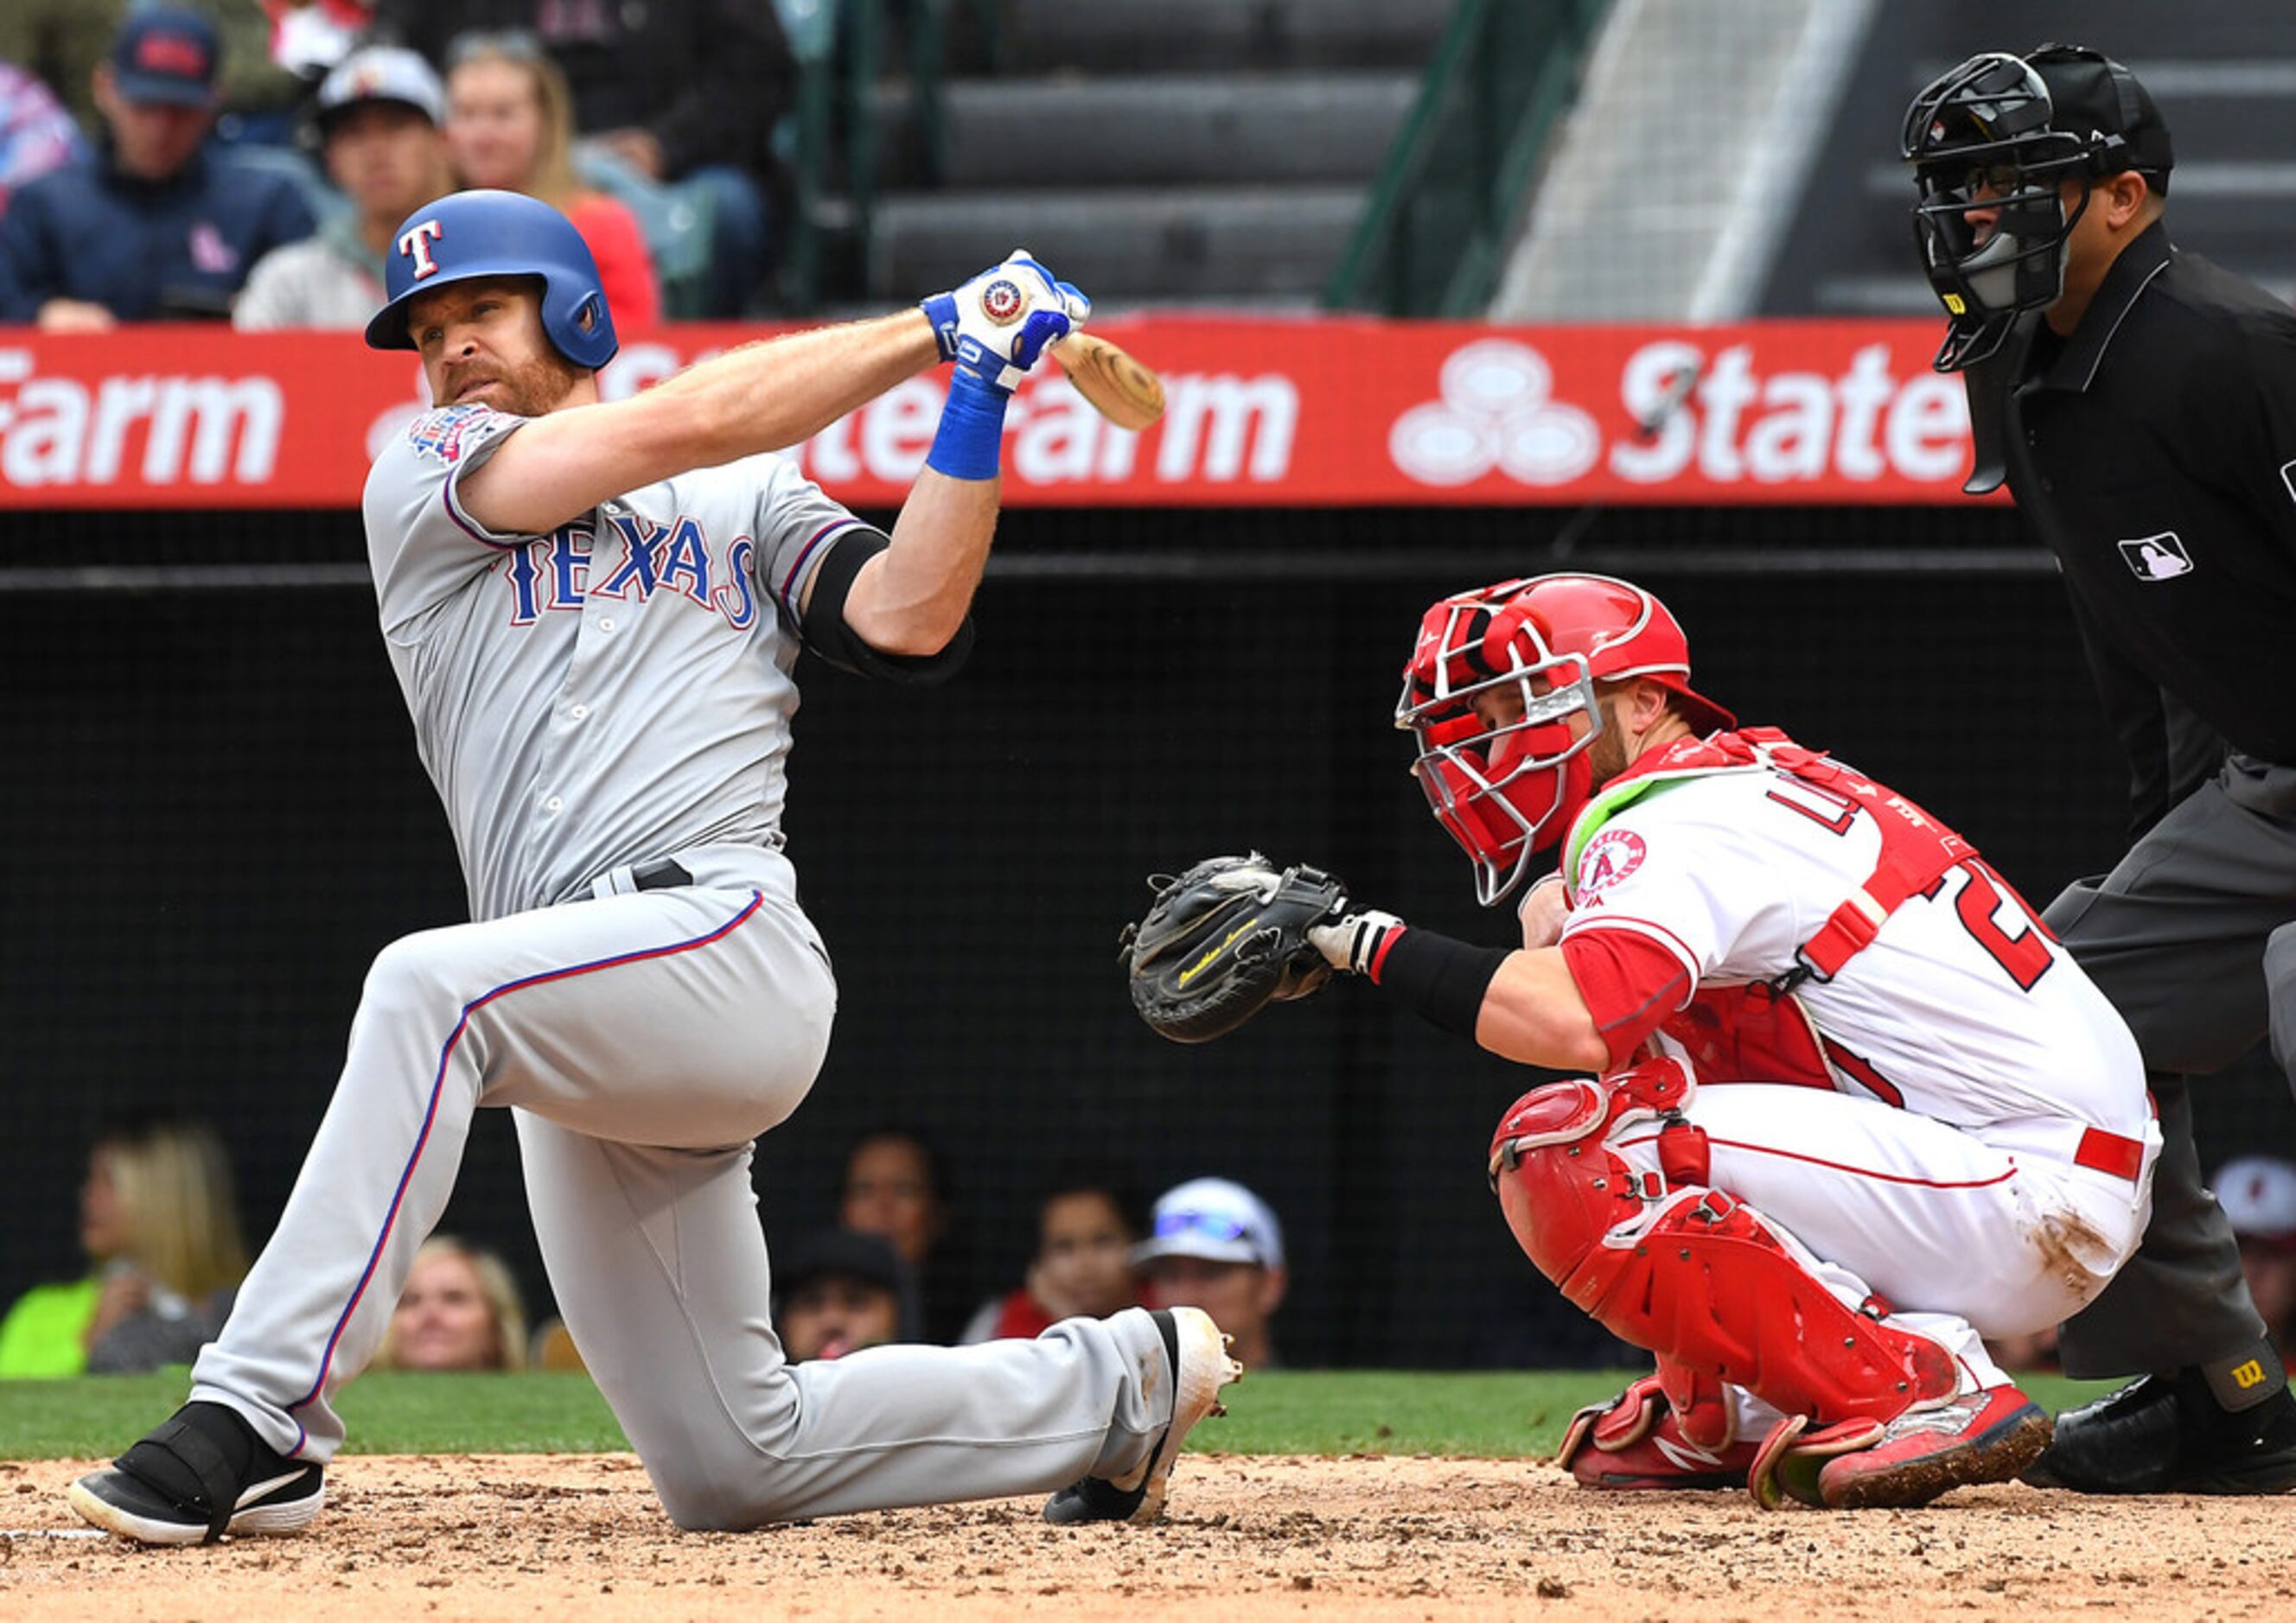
x,y
1635,1441
1980,1437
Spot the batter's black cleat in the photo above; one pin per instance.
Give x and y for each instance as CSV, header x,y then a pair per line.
x,y
2165,1434
202,1475
1196,1353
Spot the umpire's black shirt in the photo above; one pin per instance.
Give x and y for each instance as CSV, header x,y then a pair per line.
x,y
2156,451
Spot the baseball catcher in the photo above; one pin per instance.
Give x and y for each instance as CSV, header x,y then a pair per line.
x,y
1846,1108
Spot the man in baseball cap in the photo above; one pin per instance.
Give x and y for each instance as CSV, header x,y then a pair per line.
x,y
2102,361
379,117
151,226
164,58
837,1291
1214,1244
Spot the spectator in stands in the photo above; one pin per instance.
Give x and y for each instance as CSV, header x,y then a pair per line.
x,y
378,119
62,41
837,1291
681,94
897,1186
159,1224
37,134
1086,1225
2258,1195
510,126
153,228
460,1310
1214,1244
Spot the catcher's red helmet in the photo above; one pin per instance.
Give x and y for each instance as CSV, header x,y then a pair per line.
x,y
1507,790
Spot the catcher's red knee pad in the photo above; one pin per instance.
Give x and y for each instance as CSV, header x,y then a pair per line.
x,y
1562,1187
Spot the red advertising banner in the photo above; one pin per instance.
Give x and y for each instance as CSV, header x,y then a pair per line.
x,y
1314,411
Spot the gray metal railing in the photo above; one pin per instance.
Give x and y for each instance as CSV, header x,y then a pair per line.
x,y
1435,227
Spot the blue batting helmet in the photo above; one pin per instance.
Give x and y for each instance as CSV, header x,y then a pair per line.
x,y
498,234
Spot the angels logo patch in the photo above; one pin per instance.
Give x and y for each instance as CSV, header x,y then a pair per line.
x,y
1609,857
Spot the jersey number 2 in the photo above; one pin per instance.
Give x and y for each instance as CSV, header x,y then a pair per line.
x,y
2026,955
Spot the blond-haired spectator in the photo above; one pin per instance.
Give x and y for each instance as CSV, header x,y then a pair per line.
x,y
158,1221
510,126
460,1310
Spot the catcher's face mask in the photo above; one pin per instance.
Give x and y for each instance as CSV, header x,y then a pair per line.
x,y
1504,779
1507,776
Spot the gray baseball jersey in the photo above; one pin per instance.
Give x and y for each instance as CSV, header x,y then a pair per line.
x,y
593,705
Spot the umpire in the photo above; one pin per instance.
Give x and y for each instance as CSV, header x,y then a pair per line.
x,y
2141,405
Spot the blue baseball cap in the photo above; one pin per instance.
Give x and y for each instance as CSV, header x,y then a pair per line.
x,y
161,55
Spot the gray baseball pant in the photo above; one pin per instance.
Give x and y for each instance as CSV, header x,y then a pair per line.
x,y
2194,938
642,1041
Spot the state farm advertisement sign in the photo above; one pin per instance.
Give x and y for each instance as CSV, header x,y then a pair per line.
x,y
1259,412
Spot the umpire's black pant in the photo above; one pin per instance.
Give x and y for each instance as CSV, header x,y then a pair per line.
x,y
2194,938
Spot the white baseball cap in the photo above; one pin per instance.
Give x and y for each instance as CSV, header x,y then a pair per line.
x,y
2258,1195
382,73
1215,1221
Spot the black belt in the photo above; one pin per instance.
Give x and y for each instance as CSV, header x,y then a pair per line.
x,y
662,873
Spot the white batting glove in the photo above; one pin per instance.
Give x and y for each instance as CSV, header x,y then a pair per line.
x,y
1000,324
1352,945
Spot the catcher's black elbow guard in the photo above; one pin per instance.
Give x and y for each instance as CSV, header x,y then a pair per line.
x,y
1444,979
827,635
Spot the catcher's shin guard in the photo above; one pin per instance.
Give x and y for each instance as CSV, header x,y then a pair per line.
x,y
1703,1281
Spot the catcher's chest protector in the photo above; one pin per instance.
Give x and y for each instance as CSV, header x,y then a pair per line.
x,y
1684,1272
1917,850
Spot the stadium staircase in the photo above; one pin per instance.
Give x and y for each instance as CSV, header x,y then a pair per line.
x,y
1154,152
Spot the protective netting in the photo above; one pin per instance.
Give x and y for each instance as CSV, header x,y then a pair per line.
x,y
215,817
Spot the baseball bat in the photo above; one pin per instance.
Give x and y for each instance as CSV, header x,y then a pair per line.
x,y
1120,387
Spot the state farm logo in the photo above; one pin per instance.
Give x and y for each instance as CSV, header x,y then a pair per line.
x,y
159,429
1496,412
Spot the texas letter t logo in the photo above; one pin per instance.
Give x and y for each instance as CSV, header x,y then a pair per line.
x,y
416,245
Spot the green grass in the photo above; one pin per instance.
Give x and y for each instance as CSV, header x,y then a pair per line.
x,y
1325,1412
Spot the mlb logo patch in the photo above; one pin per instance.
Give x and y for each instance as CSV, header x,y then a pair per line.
x,y
438,435
2160,557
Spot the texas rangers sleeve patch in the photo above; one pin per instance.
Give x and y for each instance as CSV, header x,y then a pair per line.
x,y
438,435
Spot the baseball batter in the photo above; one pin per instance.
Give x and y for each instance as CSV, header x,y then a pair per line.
x,y
594,611
1855,1110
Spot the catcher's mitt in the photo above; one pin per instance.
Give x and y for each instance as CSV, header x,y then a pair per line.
x,y
1224,940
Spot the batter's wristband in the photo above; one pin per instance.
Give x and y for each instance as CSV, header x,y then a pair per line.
x,y
970,440
1443,979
